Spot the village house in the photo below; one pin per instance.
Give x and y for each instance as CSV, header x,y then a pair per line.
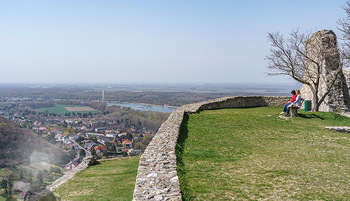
x,y
43,130
101,129
68,141
40,130
90,147
100,149
96,124
36,124
123,133
71,165
134,152
126,143
102,139
60,137
89,135
73,137
110,135
112,132
53,121
71,121
88,143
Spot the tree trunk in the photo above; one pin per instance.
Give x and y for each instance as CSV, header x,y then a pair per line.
x,y
314,103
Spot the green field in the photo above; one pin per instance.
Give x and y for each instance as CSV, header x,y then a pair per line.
x,y
251,154
109,180
60,109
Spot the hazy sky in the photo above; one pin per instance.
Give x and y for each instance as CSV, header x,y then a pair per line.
x,y
148,41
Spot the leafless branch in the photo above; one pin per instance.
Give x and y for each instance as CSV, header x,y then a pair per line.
x,y
295,57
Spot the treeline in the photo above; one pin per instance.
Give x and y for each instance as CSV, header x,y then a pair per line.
x,y
127,117
36,104
161,98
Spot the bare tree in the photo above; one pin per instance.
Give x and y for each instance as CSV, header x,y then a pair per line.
x,y
344,28
295,56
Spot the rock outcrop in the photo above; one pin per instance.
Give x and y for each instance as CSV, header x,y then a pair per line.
x,y
322,48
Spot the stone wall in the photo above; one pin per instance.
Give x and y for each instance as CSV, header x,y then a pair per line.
x,y
157,174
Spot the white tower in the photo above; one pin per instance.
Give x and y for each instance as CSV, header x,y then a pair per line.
x,y
103,95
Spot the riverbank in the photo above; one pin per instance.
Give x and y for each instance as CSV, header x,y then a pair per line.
x,y
145,107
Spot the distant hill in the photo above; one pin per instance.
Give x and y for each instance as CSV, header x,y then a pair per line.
x,y
18,144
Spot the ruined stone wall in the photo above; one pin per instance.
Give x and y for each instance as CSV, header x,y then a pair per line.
x,y
157,174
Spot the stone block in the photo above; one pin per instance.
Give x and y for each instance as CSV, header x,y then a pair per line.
x,y
293,112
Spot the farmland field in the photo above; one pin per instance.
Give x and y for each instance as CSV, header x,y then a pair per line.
x,y
79,109
63,109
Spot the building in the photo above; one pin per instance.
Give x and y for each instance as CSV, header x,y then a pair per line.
x,y
71,166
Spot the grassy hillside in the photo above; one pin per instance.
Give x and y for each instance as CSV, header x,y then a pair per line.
x,y
109,180
27,158
251,154
18,144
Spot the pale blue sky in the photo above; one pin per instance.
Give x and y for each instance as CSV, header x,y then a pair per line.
x,y
148,41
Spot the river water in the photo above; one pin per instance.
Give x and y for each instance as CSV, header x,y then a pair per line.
x,y
145,107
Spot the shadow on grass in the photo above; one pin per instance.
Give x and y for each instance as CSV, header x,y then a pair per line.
x,y
310,116
181,171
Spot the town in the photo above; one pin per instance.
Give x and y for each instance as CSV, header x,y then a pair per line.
x,y
111,131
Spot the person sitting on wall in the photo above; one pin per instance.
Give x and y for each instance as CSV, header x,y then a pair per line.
x,y
285,106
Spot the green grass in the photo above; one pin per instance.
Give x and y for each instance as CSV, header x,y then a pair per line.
x,y
60,109
109,180
251,154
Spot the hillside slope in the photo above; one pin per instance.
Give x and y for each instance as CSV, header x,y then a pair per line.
x,y
17,145
28,163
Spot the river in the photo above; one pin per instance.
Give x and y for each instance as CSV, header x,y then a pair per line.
x,y
145,107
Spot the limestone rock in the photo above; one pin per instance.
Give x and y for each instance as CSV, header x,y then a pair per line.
x,y
322,48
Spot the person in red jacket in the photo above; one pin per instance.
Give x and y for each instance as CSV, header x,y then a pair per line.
x,y
285,107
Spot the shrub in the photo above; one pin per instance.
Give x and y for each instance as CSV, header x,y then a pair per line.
x,y
55,170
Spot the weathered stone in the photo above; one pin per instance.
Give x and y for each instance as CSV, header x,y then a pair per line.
x,y
293,112
344,129
153,174
322,48
158,197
